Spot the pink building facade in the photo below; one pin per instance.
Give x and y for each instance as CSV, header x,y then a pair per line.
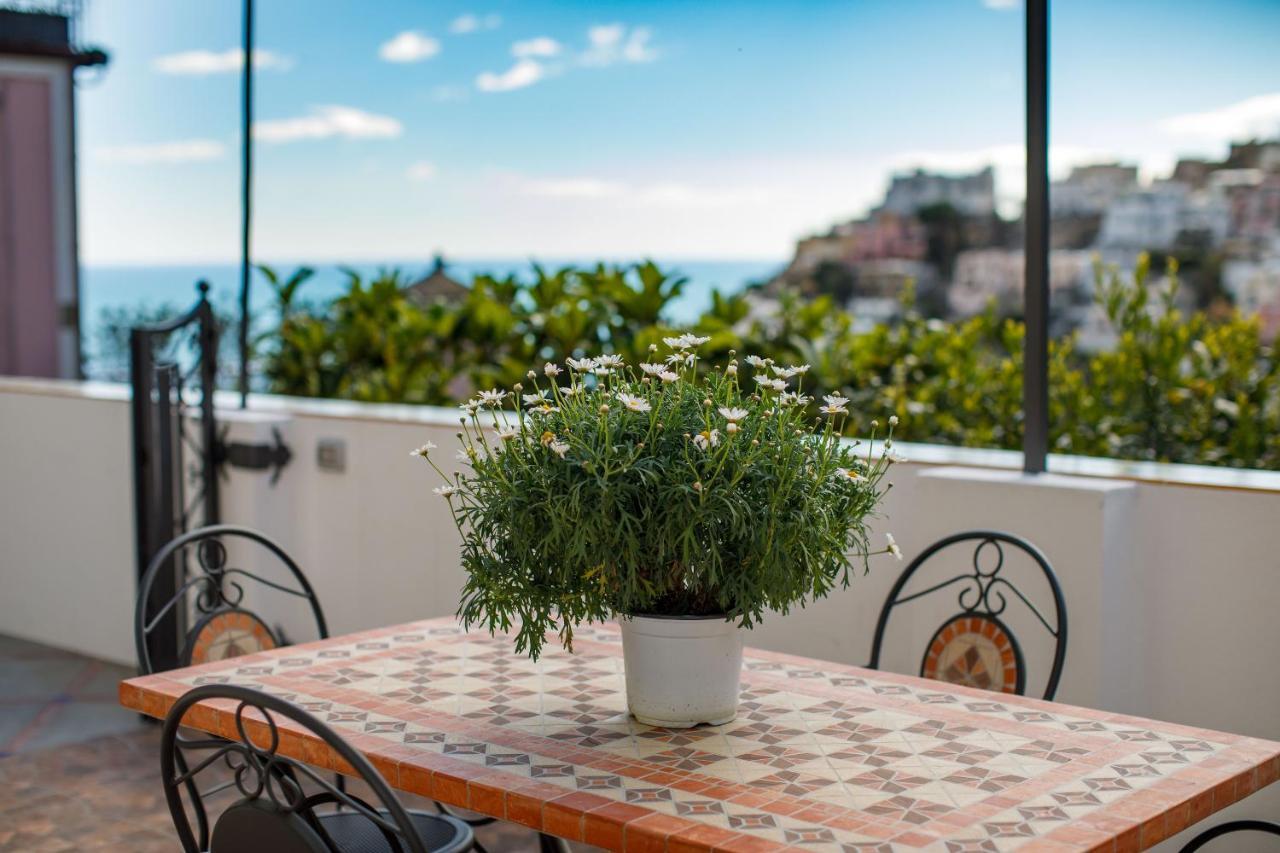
x,y
39,315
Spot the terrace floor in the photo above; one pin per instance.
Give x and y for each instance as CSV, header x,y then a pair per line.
x,y
78,772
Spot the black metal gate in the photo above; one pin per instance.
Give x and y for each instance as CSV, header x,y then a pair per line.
x,y
173,371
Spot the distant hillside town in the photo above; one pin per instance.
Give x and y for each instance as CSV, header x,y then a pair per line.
x,y
1219,219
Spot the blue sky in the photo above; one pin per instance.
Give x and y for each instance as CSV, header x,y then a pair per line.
x,y
676,130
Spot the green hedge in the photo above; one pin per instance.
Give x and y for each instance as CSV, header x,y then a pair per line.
x,y
1175,388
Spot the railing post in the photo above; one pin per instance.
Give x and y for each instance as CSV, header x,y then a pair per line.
x,y
141,376
165,640
1035,358
209,444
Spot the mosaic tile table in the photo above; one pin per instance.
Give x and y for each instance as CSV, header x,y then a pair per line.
x,y
822,756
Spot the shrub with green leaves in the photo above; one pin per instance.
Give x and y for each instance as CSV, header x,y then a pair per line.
x,y
658,489
1176,387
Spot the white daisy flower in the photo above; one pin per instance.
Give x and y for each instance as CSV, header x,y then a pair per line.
x,y
582,365
492,397
610,361
893,546
894,457
544,409
653,369
633,403
764,381
732,415
559,448
508,434
685,358
445,491
893,420
534,399
602,371
423,450
685,341
571,391
551,370
836,405
668,376
756,361
547,438
705,439
848,474
793,370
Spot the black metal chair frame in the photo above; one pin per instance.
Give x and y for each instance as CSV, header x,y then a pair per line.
x,y
216,589
213,581
259,770
1231,826
983,594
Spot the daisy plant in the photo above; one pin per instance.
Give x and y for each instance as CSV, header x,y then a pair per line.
x,y
600,489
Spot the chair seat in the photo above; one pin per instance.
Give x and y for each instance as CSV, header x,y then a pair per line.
x,y
354,833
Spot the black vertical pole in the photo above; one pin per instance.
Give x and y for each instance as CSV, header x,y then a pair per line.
x,y
246,199
208,422
141,376
1035,359
165,640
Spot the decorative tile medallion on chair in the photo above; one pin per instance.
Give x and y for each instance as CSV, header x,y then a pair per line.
x,y
975,651
227,634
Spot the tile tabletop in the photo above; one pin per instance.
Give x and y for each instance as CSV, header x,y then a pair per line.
x,y
821,756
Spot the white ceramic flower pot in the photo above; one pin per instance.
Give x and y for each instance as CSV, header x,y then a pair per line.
x,y
682,670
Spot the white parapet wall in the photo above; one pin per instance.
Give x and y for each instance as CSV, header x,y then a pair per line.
x,y
1171,573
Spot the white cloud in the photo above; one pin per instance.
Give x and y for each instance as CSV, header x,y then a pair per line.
x,y
542,46
524,73
166,153
1002,5
608,44
328,121
613,43
1252,117
469,23
409,46
423,170
203,62
665,193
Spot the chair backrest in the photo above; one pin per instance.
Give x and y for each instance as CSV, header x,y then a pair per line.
x,y
276,810
207,587
975,647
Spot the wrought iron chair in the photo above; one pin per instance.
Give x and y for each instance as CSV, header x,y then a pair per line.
x,y
278,807
210,589
1231,826
975,647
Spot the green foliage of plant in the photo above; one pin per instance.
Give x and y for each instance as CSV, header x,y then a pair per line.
x,y
1175,388
657,490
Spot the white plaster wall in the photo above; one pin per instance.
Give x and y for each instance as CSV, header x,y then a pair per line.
x,y
66,523
1173,590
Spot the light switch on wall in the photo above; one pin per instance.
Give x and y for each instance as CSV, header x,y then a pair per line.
x,y
331,455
